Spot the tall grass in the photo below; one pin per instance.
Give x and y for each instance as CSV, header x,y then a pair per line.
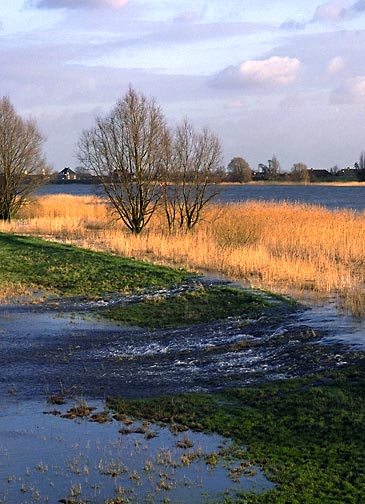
x,y
288,248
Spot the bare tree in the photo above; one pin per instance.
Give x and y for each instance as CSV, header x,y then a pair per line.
x,y
271,171
22,165
360,167
274,168
300,173
194,157
362,160
334,170
126,151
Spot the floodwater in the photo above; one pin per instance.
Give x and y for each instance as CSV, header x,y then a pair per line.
x,y
48,349
46,458
336,327
42,351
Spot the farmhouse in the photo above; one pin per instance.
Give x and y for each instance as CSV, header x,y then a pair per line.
x,y
67,174
317,174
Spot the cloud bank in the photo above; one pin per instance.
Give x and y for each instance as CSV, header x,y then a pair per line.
x,y
334,11
266,76
77,4
274,71
352,91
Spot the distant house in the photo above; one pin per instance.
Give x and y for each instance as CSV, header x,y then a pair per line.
x,y
317,174
258,175
349,174
67,174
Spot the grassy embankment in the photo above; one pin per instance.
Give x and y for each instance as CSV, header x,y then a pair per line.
x,y
288,248
29,265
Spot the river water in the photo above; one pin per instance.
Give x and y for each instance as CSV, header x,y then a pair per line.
x,y
332,197
329,196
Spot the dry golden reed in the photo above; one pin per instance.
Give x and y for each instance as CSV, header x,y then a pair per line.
x,y
288,248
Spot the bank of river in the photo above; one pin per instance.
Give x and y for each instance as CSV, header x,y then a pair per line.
x,y
48,350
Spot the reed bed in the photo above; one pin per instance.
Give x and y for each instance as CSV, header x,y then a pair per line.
x,y
284,247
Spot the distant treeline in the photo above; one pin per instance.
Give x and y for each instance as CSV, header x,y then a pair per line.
x,y
224,176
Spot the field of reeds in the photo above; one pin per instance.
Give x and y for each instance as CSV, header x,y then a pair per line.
x,y
295,249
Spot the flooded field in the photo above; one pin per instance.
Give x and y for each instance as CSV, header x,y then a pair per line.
x,y
46,458
42,352
45,351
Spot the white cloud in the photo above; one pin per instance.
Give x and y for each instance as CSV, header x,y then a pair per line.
x,y
275,71
351,91
336,64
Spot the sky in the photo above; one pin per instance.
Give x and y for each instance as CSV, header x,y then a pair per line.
x,y
268,77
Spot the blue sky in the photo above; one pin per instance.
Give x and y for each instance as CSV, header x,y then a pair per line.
x,y
269,77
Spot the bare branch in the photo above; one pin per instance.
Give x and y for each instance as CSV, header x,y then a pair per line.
x,y
194,157
22,165
126,151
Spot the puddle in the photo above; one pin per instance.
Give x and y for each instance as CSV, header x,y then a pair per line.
x,y
45,458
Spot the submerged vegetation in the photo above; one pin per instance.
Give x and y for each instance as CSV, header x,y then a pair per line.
x,y
282,247
195,305
308,434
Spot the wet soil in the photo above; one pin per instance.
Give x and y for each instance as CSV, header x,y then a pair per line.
x,y
62,347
